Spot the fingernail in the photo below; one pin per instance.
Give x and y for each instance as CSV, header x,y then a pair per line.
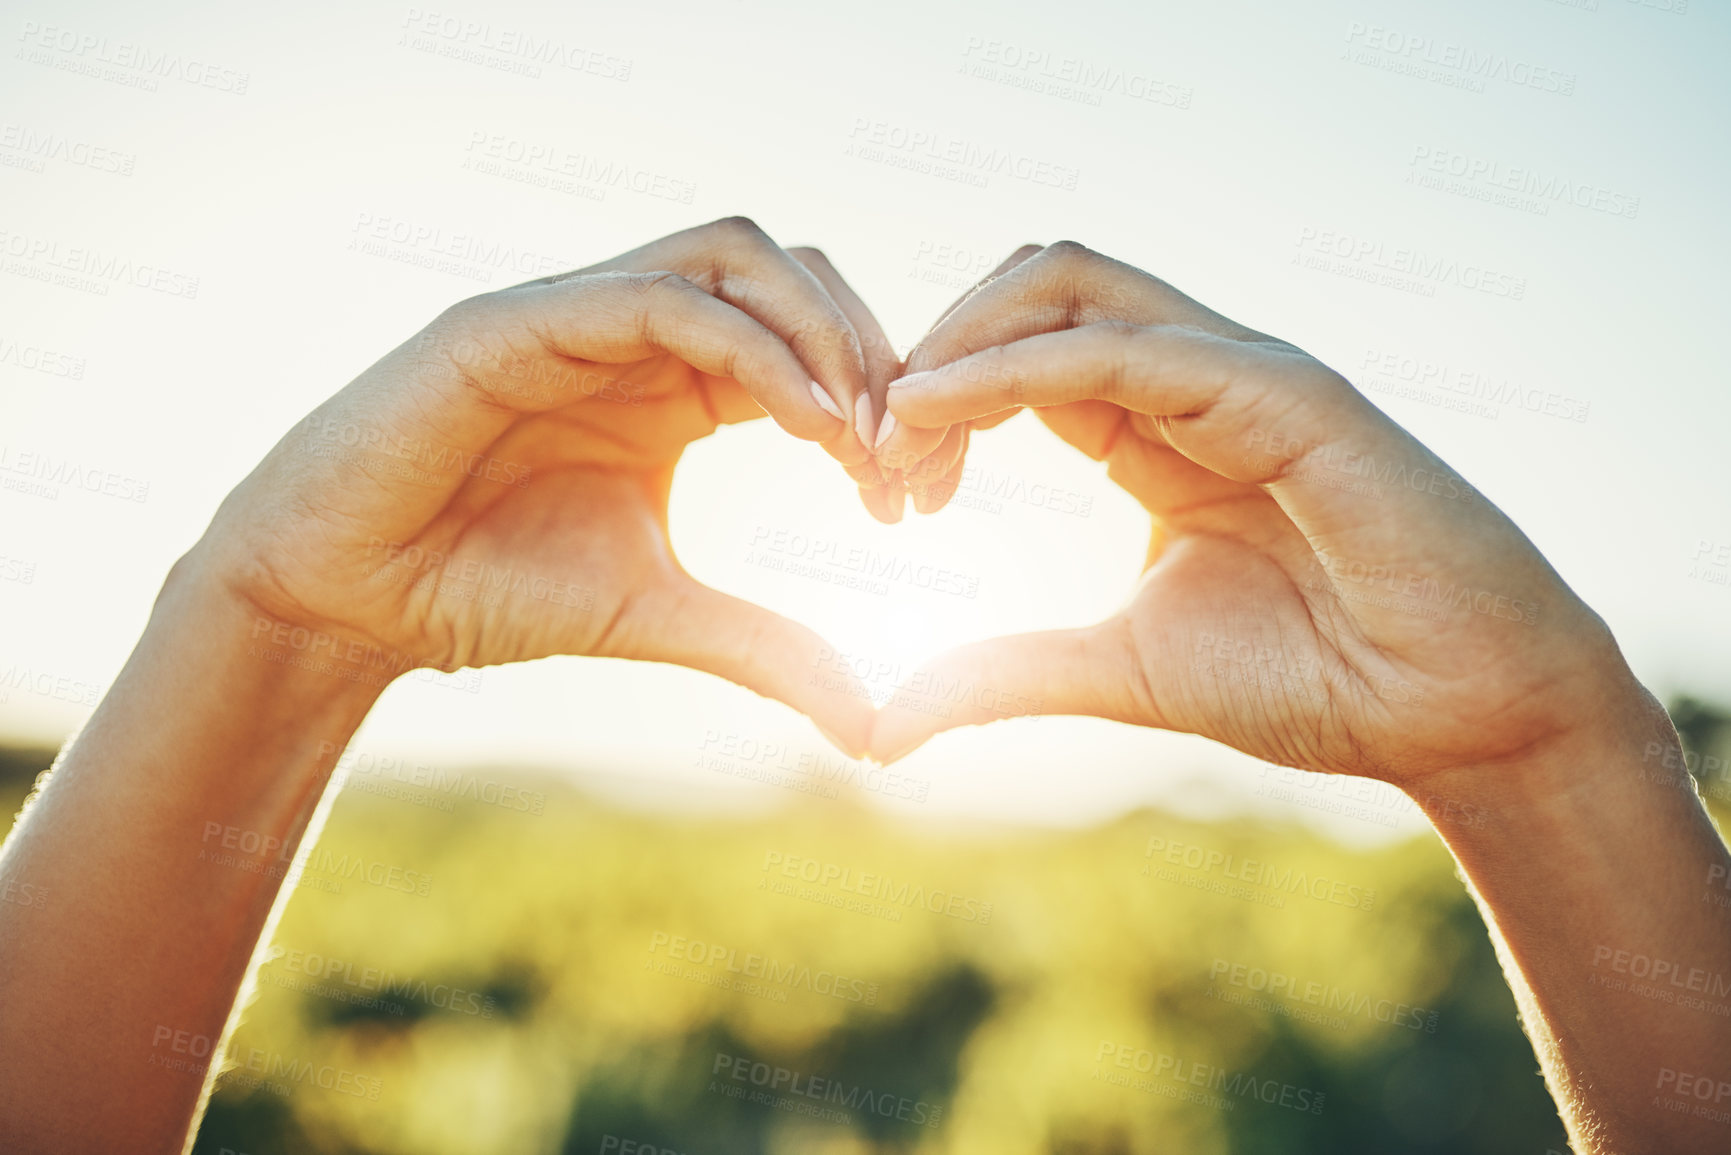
x,y
909,379
884,431
863,422
825,402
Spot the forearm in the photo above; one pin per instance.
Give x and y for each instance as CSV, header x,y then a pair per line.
x,y
158,847
1597,869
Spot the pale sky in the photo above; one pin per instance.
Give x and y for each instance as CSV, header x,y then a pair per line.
x,y
1218,145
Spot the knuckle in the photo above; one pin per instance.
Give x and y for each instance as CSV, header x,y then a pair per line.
x,y
1117,329
660,281
738,229
1070,252
1058,271
468,311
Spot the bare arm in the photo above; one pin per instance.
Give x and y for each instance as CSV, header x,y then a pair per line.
x,y
1597,870
161,845
1323,592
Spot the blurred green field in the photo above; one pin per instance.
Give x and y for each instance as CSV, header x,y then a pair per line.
x,y
585,979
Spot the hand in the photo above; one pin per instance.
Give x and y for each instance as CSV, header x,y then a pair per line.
x,y
1320,590
495,489
928,463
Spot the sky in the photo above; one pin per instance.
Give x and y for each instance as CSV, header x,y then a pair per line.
x,y
294,179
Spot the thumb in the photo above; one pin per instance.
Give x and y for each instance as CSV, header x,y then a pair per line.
x,y
1089,671
689,624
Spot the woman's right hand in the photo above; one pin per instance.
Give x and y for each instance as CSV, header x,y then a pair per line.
x,y
495,489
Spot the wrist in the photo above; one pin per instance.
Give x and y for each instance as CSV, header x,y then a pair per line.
x,y
281,677
1621,760
307,662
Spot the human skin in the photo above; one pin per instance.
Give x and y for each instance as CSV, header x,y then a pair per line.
x,y
1297,609
493,490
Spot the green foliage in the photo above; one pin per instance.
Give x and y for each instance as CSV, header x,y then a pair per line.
x,y
1000,991
1088,992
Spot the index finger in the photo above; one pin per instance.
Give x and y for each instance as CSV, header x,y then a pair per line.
x,y
737,262
1062,286
881,362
